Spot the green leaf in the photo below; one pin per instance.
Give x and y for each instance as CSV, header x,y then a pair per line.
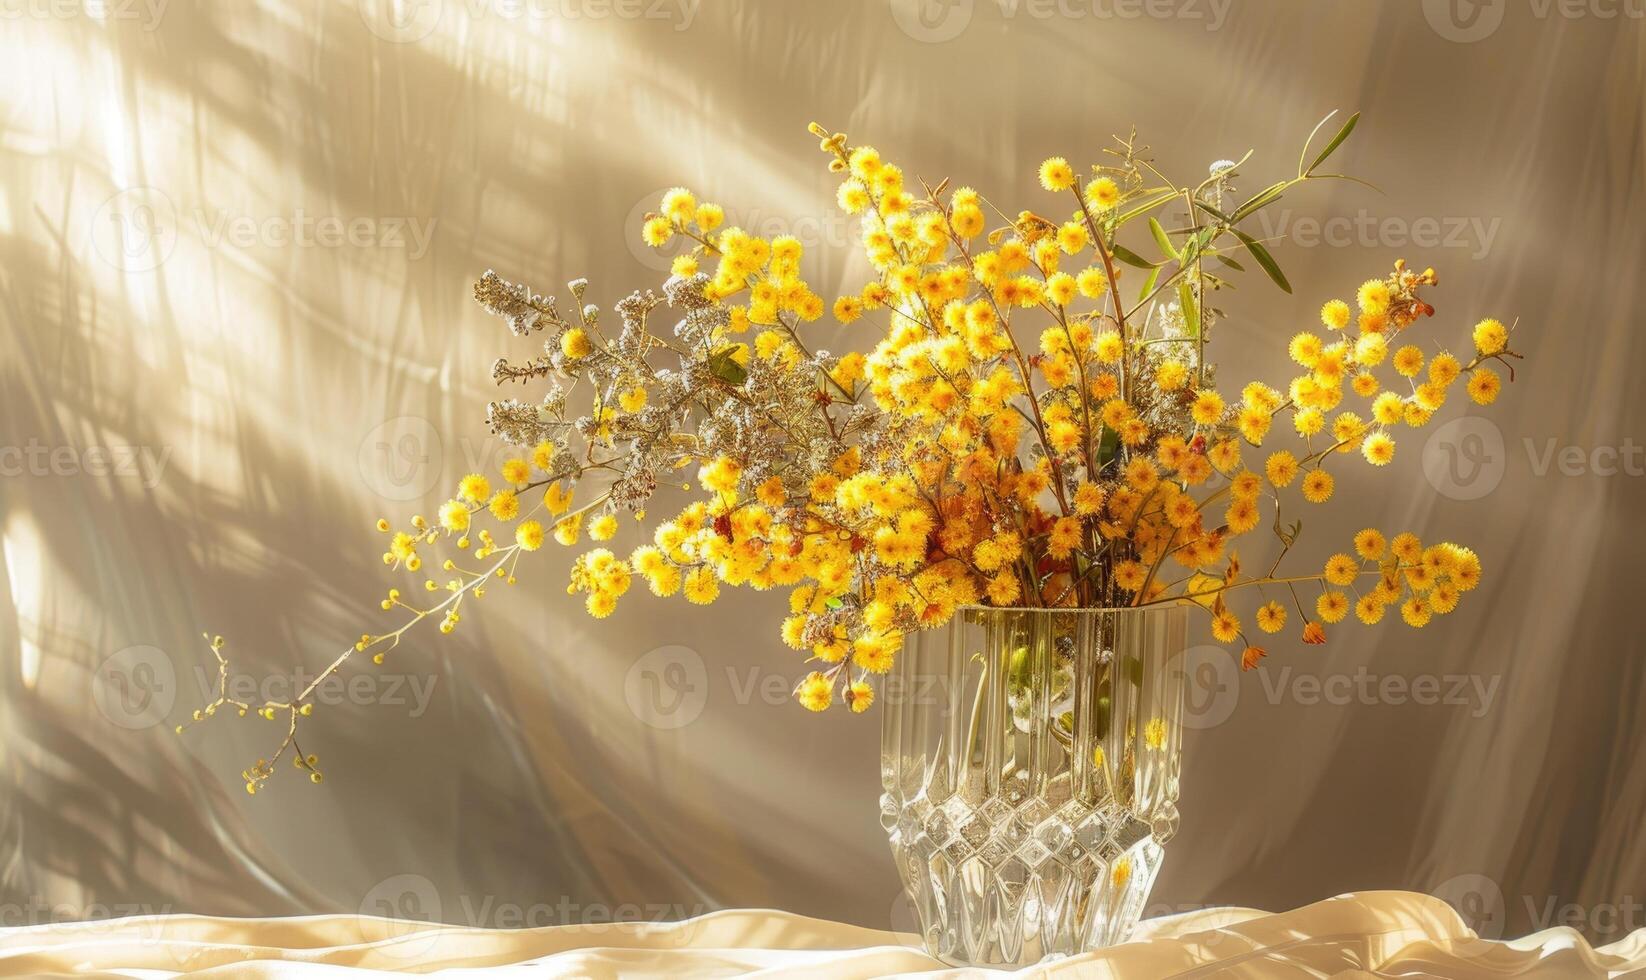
x,y
1264,259
1108,447
1337,141
1214,212
1231,263
1197,243
1262,198
1149,204
1191,310
1161,240
1130,257
1148,284
723,365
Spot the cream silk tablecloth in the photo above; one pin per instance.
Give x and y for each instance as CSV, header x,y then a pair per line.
x,y
1383,934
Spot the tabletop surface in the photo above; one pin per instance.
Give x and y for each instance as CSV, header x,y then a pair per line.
x,y
1384,934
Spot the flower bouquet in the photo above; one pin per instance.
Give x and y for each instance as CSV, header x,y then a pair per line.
x,y
1004,515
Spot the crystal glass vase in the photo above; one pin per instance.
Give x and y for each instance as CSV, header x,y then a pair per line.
x,y
1030,763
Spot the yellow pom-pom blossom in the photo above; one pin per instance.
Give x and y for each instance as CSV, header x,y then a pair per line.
x,y
679,204
1102,193
1317,486
474,488
1056,174
574,343
529,535
1379,449
815,692
1281,468
454,516
602,528
1490,337
516,471
1483,386
1271,617
657,231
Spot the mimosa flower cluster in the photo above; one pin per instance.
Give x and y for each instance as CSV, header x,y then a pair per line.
x,y
1029,428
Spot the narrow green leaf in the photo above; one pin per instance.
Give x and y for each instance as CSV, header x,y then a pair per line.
x,y
1130,257
1160,239
1148,284
1214,212
1262,198
1149,203
1191,310
1231,263
1337,141
1264,259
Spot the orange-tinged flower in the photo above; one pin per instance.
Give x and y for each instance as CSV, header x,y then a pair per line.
x,y
1314,634
1250,656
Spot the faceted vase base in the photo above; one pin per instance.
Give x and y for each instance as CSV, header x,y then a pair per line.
x,y
1030,763
997,885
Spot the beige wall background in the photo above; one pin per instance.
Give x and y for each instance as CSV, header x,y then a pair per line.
x,y
236,243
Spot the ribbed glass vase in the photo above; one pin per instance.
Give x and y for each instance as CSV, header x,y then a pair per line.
x,y
1030,762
